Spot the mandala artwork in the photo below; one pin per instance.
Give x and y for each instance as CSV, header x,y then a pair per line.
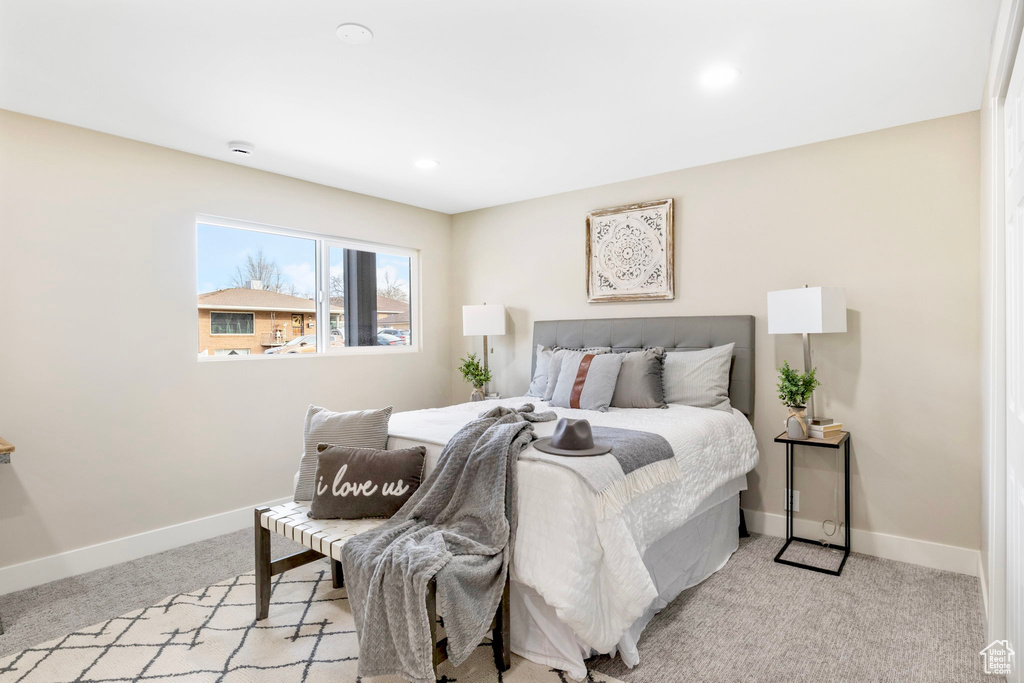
x,y
629,252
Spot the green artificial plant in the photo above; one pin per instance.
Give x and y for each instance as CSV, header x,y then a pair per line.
x,y
796,387
473,372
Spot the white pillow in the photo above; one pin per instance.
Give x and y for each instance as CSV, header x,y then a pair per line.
x,y
699,378
540,373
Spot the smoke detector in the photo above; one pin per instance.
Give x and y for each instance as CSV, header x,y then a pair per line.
x,y
356,34
241,148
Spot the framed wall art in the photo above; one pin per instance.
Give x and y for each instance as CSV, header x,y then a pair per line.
x,y
629,253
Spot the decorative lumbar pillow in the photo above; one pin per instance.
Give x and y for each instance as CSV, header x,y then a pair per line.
x,y
640,380
353,483
360,429
587,381
699,378
540,373
555,364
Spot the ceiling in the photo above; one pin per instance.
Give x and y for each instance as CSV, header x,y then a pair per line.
x,y
515,99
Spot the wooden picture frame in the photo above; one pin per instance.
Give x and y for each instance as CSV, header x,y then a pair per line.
x,y
630,253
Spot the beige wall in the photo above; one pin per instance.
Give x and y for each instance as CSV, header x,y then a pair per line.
x,y
893,216
121,437
118,428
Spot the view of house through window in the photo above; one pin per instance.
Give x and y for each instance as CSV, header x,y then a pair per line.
x,y
258,293
386,278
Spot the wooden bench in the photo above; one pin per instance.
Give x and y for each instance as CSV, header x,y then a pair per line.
x,y
325,538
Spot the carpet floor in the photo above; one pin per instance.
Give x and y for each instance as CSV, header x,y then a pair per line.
x,y
754,620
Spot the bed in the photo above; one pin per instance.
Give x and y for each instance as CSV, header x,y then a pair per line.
x,y
585,581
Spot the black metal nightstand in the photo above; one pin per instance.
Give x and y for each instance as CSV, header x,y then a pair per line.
x,y
834,443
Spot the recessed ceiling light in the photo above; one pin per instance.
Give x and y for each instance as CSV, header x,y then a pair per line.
x,y
356,34
427,164
241,148
719,76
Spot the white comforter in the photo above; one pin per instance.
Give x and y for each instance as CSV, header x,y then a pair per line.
x,y
591,570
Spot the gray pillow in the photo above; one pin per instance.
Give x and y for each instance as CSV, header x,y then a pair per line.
x,y
640,384
555,364
699,378
587,381
360,428
354,483
540,374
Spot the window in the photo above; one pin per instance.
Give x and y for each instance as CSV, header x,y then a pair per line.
x,y
275,285
232,323
371,307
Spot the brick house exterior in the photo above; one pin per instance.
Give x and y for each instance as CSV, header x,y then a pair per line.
x,y
276,319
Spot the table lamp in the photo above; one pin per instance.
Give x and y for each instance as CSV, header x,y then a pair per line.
x,y
484,320
807,311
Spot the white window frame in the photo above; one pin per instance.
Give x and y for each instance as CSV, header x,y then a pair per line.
x,y
323,243
234,334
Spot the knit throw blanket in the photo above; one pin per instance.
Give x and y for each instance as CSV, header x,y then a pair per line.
x,y
458,527
639,461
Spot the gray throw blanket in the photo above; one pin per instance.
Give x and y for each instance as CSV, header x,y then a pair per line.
x,y
639,461
459,527
527,411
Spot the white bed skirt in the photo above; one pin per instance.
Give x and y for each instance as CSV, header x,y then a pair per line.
x,y
677,561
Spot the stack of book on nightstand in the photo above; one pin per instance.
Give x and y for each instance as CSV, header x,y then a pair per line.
x,y
824,431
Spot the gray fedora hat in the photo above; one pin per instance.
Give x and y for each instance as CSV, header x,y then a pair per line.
x,y
572,438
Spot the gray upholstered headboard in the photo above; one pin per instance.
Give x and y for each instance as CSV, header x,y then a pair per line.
x,y
676,333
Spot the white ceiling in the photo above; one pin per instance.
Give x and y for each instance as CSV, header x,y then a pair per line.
x,y
516,99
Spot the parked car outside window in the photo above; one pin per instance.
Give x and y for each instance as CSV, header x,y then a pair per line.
x,y
304,344
388,339
394,332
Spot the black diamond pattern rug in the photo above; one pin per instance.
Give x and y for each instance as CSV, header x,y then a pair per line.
x,y
211,636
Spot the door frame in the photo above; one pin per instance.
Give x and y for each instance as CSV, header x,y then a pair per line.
x,y
1005,43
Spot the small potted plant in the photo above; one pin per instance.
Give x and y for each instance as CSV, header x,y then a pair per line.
x,y
476,375
794,390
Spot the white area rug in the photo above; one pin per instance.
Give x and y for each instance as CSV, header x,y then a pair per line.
x,y
211,636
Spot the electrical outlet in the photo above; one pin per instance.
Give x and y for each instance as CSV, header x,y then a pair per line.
x,y
795,499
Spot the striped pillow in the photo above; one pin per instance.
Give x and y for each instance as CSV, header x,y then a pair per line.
x,y
358,429
699,378
587,381
555,364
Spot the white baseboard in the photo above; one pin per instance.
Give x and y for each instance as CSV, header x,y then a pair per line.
x,y
37,572
924,553
983,580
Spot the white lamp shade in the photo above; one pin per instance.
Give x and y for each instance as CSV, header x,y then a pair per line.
x,y
810,310
488,319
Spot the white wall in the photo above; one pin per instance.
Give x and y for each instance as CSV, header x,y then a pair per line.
x,y
119,430
891,215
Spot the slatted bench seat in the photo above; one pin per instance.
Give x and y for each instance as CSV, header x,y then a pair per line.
x,y
325,538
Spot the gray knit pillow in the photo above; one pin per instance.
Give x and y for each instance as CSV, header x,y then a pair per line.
x,y
555,364
699,378
360,429
587,381
640,384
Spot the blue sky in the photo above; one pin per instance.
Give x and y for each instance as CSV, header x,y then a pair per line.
x,y
223,250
